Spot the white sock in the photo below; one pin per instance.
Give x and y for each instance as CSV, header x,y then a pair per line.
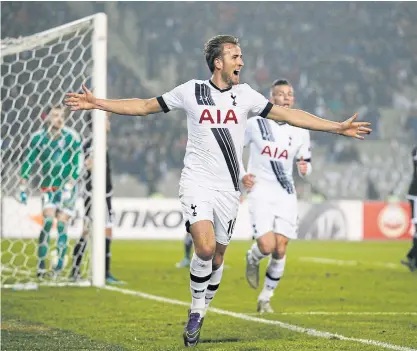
x,y
200,274
255,253
216,277
274,272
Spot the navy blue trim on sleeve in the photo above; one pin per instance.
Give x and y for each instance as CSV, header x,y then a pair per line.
x,y
163,104
266,110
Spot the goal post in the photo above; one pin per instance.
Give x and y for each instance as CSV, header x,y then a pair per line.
x,y
36,73
99,84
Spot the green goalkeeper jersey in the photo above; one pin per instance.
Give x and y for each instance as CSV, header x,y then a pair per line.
x,y
59,158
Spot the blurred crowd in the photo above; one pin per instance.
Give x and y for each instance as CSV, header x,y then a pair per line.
x,y
342,58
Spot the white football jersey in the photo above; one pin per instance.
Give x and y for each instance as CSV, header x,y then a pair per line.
x,y
273,148
216,121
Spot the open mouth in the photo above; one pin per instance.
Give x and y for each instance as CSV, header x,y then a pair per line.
x,y
236,73
286,105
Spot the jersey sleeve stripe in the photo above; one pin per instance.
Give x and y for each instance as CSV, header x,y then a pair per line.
x,y
266,110
266,131
282,177
204,94
209,97
224,139
162,103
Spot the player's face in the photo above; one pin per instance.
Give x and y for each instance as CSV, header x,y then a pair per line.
x,y
57,118
283,95
231,64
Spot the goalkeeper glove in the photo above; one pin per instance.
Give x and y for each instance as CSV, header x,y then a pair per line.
x,y
21,195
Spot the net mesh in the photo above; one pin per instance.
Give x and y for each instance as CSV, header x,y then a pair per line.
x,y
36,72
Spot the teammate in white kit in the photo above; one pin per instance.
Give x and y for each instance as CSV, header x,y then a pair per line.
x,y
217,110
272,198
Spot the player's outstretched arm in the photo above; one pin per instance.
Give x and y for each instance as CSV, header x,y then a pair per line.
x,y
302,119
134,107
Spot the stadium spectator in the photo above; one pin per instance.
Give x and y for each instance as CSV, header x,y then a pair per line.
x,y
352,49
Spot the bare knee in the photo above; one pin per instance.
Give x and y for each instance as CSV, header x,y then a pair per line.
x,y
63,217
266,243
205,252
49,212
204,240
281,247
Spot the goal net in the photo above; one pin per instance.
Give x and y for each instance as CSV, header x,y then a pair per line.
x,y
36,73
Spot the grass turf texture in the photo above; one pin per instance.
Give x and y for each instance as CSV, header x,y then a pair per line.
x,y
95,319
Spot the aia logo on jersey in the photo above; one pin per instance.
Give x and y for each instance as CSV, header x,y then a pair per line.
x,y
275,152
218,118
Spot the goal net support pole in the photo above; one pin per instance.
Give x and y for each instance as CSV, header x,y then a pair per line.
x,y
99,87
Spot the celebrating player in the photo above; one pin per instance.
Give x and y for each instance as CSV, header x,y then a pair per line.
x,y
81,245
272,198
411,259
58,150
217,110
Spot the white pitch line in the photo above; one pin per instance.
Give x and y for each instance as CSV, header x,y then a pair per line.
x,y
349,262
51,284
34,285
340,313
308,331
15,270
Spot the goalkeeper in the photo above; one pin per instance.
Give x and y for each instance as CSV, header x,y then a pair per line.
x,y
58,150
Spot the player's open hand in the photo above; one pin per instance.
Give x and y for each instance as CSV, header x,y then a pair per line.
x,y
353,129
248,181
84,101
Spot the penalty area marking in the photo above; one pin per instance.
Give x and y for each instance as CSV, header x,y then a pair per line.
x,y
246,317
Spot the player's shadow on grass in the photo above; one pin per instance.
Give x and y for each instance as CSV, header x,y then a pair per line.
x,y
214,341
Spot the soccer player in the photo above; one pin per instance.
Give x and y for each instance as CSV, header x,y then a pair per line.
x,y
58,149
217,110
81,245
188,245
272,198
411,259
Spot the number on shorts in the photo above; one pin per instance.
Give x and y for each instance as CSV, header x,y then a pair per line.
x,y
231,227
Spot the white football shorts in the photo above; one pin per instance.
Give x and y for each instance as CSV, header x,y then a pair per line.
x,y
278,214
219,207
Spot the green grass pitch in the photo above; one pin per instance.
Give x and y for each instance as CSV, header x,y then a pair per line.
x,y
359,292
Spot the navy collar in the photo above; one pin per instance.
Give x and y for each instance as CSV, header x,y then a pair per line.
x,y
217,88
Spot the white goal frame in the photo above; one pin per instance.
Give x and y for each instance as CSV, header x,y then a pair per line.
x,y
99,87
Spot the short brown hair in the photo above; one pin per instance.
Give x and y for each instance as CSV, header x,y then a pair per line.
x,y
281,81
214,48
58,106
